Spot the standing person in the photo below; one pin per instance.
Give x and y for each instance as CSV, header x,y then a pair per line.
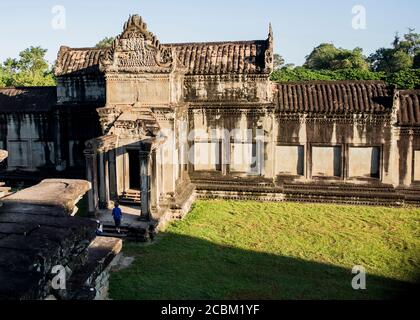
x,y
117,215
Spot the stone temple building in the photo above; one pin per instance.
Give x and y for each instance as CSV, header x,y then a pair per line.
x,y
161,124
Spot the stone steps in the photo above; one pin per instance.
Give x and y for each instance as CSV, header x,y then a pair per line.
x,y
338,187
344,193
4,191
347,200
131,197
240,195
232,182
128,233
317,192
412,196
236,186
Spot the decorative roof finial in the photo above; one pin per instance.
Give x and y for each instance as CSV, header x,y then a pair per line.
x,y
270,31
269,53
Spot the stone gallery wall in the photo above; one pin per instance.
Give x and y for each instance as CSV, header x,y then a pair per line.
x,y
43,135
29,139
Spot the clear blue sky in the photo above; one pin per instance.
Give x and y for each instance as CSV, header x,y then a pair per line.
x,y
299,25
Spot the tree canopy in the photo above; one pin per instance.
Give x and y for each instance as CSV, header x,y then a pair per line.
x,y
30,69
398,65
278,61
327,57
403,55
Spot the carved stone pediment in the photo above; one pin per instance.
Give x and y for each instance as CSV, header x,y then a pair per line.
x,y
137,50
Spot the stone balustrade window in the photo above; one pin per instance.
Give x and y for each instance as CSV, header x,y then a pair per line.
x,y
364,162
207,156
243,157
327,161
290,160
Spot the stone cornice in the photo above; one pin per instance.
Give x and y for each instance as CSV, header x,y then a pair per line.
x,y
227,77
136,76
357,118
259,108
407,131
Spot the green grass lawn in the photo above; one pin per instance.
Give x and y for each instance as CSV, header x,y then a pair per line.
x,y
252,250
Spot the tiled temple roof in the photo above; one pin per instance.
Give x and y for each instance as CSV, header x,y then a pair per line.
x,y
78,60
241,57
333,97
409,110
223,57
27,99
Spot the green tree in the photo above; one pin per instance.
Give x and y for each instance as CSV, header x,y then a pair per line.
x,y
33,60
305,74
390,60
3,78
410,44
31,69
402,56
11,65
278,61
405,79
105,43
327,57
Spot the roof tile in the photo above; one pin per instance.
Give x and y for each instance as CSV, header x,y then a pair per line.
x,y
333,97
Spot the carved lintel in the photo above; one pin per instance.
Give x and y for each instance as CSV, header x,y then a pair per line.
x,y
100,144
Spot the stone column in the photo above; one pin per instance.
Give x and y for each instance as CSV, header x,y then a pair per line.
x,y
58,143
223,156
103,181
154,183
308,161
260,152
112,175
145,185
345,162
106,177
91,176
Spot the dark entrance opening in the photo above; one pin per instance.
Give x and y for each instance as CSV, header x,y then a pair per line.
x,y
134,167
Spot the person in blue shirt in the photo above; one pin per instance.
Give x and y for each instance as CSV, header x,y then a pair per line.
x,y
117,215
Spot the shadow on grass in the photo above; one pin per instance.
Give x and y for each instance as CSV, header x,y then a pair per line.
x,y
181,267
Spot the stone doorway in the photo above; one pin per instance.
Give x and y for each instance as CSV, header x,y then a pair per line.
x,y
134,170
